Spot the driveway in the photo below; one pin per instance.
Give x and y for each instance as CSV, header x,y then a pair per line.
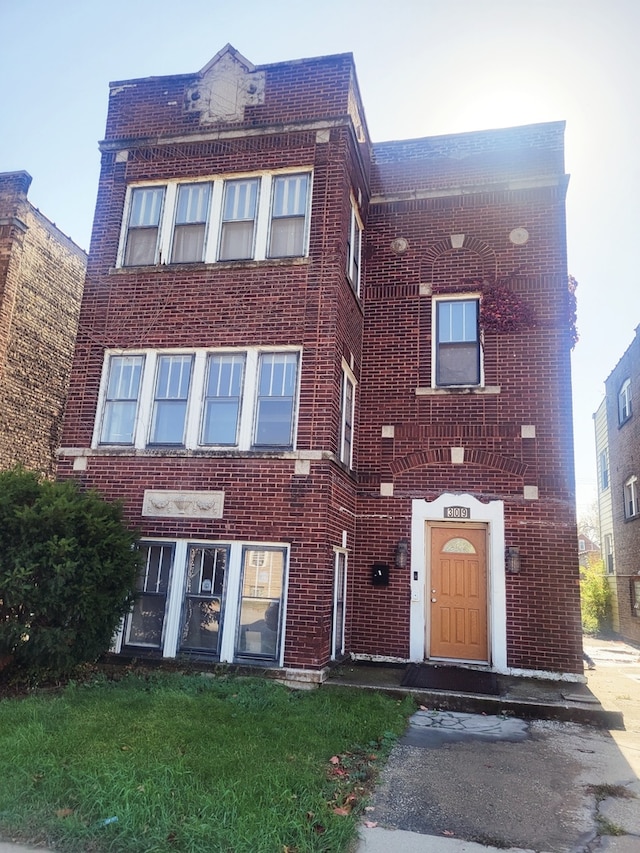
x,y
466,782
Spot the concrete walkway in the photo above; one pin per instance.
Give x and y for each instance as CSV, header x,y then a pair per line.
x,y
474,783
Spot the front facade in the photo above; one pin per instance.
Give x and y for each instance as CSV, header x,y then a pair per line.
x,y
41,278
330,379
618,454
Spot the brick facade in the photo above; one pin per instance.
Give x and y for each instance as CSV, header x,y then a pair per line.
x,y
41,278
457,217
623,447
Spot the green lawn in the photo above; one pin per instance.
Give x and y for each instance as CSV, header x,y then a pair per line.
x,y
173,762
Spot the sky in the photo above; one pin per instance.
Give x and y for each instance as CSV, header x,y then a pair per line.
x,y
425,67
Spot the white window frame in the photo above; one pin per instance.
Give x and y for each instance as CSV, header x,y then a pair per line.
x,y
213,226
347,415
608,553
340,573
354,247
466,297
625,409
176,594
631,507
604,471
196,399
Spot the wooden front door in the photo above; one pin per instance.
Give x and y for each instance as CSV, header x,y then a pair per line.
x,y
458,593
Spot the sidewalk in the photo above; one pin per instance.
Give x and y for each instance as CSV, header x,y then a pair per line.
x,y
476,783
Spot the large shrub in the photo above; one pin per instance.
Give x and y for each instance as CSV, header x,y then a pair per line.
x,y
67,569
595,598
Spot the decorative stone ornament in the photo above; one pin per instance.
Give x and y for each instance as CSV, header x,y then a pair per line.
x,y
399,246
519,236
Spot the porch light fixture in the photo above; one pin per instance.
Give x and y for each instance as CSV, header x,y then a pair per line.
x,y
402,554
512,560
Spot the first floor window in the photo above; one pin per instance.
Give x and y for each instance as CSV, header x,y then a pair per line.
x,y
604,470
145,624
204,599
170,402
631,497
121,399
261,600
634,584
608,553
144,226
339,598
288,216
275,404
457,342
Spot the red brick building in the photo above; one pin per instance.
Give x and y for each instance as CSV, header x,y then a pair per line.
x,y
329,378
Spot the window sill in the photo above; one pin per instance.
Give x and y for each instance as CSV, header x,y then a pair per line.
x,y
202,265
458,389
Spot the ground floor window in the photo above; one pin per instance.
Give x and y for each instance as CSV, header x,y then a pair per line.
x,y
225,601
339,597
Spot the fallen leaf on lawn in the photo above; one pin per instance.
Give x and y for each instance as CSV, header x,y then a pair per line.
x,y
342,811
140,788
125,748
64,812
370,824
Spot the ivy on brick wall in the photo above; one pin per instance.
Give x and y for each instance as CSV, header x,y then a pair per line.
x,y
503,310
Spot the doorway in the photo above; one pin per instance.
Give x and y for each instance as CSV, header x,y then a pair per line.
x,y
457,594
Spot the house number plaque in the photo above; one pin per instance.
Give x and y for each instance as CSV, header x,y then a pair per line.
x,y
457,512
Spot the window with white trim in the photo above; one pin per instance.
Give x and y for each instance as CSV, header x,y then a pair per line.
x,y
354,248
604,470
243,399
223,600
144,625
457,351
347,406
608,552
624,402
339,604
121,399
145,213
631,508
235,218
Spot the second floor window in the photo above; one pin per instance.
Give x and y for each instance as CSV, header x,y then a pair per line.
x,y
252,217
631,508
241,399
457,342
624,402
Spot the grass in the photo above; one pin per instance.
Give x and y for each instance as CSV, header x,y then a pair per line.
x,y
173,762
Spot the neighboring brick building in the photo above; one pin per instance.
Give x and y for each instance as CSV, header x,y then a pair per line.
x,y
618,453
330,379
41,279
